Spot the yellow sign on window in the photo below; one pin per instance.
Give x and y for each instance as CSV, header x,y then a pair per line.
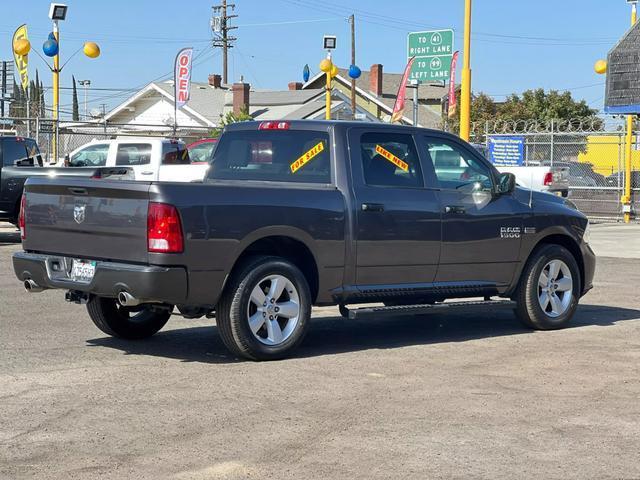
x,y
404,166
306,157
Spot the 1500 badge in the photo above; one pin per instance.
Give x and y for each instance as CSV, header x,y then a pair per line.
x,y
510,232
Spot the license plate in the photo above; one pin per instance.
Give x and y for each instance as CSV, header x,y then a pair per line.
x,y
83,270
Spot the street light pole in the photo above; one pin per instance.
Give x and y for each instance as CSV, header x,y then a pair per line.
x,y
85,84
465,96
56,91
626,198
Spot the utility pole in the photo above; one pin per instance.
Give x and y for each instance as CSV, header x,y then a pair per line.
x,y
220,26
465,95
352,21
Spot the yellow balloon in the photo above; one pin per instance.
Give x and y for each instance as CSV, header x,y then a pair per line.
x,y
325,65
334,71
91,49
22,46
600,67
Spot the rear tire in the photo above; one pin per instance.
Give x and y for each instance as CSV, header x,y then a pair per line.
x,y
265,310
123,322
549,289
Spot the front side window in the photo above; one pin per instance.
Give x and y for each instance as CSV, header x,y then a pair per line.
x,y
133,154
272,155
456,169
91,156
390,160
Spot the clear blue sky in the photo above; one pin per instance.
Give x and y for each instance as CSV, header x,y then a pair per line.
x,y
516,45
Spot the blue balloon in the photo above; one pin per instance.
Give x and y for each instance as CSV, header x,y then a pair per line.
x,y
354,71
305,73
50,48
52,37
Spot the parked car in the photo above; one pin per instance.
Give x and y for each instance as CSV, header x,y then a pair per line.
x,y
20,159
200,151
617,179
151,158
581,174
538,176
323,213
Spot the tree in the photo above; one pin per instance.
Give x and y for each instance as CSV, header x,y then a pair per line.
x,y
544,107
229,118
75,109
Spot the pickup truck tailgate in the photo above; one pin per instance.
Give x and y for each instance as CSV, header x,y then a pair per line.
x,y
82,217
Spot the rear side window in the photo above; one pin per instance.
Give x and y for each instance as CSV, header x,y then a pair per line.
x,y
175,153
91,156
390,160
133,154
273,155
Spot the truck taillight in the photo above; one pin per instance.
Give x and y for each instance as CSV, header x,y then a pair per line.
x,y
22,224
274,126
548,178
164,233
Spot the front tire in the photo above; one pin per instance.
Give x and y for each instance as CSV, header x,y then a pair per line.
x,y
549,289
123,322
265,310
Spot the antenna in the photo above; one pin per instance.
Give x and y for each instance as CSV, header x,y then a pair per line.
x,y
531,189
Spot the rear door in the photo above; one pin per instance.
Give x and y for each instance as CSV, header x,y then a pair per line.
x,y
480,231
398,215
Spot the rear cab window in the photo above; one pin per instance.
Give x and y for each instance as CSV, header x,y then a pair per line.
x,y
273,155
175,153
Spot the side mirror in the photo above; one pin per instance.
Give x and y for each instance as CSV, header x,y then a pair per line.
x,y
506,183
66,160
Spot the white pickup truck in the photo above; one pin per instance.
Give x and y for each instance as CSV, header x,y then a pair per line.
x,y
538,176
152,159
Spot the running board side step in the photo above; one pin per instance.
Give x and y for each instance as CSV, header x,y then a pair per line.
x,y
379,312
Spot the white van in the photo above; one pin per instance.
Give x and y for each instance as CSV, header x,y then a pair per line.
x,y
152,159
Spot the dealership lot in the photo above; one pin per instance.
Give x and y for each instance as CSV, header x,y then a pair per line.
x,y
465,395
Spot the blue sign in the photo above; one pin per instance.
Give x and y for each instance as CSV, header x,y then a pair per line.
x,y
506,151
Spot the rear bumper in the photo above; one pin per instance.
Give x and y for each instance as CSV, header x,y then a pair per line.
x,y
146,282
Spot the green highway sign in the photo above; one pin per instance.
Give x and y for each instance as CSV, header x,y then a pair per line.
x,y
433,51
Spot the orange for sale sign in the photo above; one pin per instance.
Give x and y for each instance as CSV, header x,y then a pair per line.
x,y
306,157
404,166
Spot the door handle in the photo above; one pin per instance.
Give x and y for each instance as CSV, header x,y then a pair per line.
x,y
454,209
146,173
372,207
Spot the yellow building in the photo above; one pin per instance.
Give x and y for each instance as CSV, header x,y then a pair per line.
x,y
606,154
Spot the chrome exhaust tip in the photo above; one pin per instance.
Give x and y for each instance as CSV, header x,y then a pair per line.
x,y
127,300
32,287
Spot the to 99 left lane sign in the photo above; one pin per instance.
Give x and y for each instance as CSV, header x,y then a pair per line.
x,y
182,76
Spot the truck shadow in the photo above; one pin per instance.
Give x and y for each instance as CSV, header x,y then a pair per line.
x,y
9,237
330,335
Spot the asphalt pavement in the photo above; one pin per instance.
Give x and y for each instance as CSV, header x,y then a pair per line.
x,y
472,395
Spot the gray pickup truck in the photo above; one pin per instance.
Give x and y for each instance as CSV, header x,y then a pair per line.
x,y
302,213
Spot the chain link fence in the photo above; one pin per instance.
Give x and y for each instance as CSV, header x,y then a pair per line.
x,y
72,135
593,152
